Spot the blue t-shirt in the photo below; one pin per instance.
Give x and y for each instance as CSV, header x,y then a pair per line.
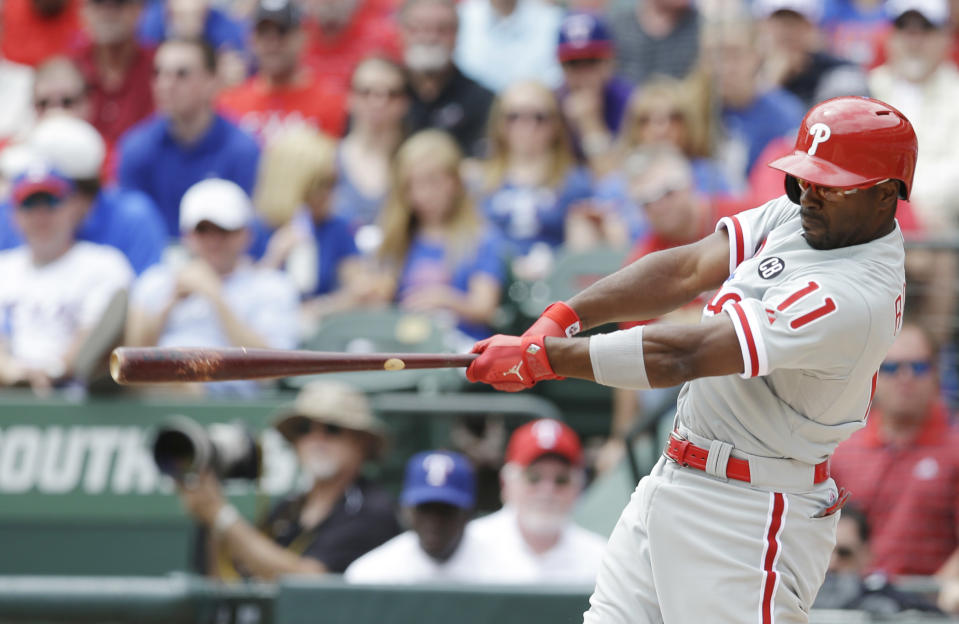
x,y
769,116
334,243
152,161
349,201
126,220
527,215
430,263
219,30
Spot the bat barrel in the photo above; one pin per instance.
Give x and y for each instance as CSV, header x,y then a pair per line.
x,y
133,365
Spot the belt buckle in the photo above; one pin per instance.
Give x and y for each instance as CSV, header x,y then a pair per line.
x,y
682,443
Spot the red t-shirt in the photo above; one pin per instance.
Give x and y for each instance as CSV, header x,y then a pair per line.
x,y
116,109
910,495
263,110
333,58
29,38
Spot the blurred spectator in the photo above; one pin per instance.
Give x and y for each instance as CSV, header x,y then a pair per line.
x,y
314,245
846,585
661,113
198,19
438,497
660,182
790,44
342,516
340,33
54,289
436,247
750,115
903,468
284,92
854,29
378,104
920,81
442,97
533,534
217,298
531,181
59,87
35,30
188,141
116,66
15,82
654,37
504,41
123,219
592,97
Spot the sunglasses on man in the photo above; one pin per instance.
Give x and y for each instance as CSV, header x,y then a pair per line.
x,y
918,368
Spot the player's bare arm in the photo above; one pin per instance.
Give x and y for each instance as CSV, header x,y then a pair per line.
x,y
672,354
655,284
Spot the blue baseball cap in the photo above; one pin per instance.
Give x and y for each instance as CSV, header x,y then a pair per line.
x,y
40,178
439,477
584,36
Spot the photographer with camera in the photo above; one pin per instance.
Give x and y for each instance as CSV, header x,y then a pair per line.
x,y
342,516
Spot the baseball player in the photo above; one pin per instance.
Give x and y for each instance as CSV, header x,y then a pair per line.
x,y
737,521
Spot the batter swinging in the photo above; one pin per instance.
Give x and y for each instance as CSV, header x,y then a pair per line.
x,y
737,521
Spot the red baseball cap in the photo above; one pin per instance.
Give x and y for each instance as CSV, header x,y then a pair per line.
x,y
544,437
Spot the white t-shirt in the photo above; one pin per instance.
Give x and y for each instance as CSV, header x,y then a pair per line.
x,y
574,560
401,560
266,301
813,325
44,308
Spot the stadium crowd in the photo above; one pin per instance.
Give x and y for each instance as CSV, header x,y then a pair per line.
x,y
234,172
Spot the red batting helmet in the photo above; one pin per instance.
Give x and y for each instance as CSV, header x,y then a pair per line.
x,y
850,142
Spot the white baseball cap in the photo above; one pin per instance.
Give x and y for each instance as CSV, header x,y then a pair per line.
x,y
936,12
71,145
221,202
810,9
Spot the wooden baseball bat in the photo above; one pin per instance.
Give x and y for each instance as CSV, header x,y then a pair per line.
x,y
132,365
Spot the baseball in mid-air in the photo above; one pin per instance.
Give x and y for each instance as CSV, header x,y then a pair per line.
x,y
394,364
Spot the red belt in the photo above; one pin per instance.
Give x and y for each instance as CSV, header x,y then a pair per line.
x,y
683,452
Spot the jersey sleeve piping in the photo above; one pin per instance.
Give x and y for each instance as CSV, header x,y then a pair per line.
x,y
755,359
741,246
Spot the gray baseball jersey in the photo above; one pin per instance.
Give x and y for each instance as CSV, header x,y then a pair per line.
x,y
814,326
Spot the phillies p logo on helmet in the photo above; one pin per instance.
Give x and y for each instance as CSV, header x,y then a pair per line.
x,y
820,134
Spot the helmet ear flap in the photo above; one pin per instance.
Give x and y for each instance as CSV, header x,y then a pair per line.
x,y
792,189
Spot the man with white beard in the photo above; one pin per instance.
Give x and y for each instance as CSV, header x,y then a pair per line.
x,y
342,515
542,478
920,80
442,97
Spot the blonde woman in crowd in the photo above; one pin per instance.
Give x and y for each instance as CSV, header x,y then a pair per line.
x,y
531,182
443,257
378,103
661,114
294,191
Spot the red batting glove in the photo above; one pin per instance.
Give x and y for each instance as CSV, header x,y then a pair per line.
x,y
511,363
558,320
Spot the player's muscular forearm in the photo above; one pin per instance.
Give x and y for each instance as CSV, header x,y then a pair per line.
x,y
672,354
655,284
